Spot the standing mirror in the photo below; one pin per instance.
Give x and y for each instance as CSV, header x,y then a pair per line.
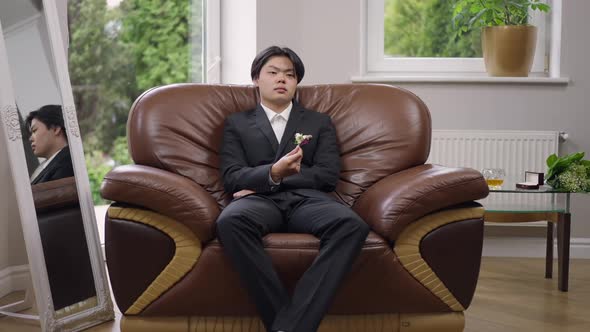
x,y
48,168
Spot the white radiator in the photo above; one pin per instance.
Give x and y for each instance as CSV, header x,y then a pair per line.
x,y
514,151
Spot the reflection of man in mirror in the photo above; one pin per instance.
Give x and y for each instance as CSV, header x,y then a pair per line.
x,y
49,141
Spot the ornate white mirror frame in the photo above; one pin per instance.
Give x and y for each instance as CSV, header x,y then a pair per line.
x,y
78,316
12,133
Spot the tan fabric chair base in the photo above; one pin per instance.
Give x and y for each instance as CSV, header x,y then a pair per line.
x,y
440,322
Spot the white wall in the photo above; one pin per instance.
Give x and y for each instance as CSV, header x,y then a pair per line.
x,y
308,27
238,40
13,12
13,256
326,34
12,248
30,60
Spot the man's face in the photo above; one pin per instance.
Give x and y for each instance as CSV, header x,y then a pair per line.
x,y
42,138
277,82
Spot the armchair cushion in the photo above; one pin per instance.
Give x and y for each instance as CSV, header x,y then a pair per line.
x,y
167,193
401,198
54,195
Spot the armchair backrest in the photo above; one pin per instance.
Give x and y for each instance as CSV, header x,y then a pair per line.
x,y
381,130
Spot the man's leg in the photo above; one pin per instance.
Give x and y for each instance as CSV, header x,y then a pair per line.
x,y
240,228
342,234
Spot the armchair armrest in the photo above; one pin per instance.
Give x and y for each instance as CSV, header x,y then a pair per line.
x,y
399,199
55,194
165,192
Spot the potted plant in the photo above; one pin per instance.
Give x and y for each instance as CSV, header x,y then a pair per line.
x,y
508,41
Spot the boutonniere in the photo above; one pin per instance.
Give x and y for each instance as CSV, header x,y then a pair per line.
x,y
301,139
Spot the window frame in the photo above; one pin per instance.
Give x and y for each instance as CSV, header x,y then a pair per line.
x,y
375,63
212,42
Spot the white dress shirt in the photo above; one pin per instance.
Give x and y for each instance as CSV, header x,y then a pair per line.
x,y
278,121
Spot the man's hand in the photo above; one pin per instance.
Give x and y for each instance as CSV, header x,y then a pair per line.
x,y
289,164
243,193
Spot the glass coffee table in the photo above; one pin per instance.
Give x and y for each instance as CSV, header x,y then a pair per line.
x,y
512,205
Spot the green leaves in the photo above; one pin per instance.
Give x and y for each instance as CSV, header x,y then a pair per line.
x,y
557,165
115,54
157,32
472,14
478,16
571,172
421,28
551,160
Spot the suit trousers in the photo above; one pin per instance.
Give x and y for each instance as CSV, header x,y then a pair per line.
x,y
342,233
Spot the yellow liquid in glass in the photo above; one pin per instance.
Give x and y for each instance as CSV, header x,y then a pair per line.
x,y
494,182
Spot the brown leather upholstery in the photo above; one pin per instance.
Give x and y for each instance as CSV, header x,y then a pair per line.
x,y
52,195
384,132
65,249
143,261
381,130
165,192
400,198
459,268
220,293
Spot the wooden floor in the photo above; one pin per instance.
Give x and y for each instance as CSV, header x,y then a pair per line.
x,y
512,296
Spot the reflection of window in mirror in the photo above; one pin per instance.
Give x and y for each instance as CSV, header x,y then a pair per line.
x,y
118,49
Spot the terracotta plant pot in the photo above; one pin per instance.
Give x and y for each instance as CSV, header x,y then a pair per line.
x,y
509,50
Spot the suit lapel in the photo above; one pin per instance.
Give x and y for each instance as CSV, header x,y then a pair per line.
x,y
264,125
49,167
289,134
40,176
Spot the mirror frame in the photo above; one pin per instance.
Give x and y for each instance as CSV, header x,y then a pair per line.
x,y
13,141
103,311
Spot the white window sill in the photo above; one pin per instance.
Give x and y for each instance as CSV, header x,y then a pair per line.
x,y
481,78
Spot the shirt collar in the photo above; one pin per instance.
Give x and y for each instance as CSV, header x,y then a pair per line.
x,y
285,113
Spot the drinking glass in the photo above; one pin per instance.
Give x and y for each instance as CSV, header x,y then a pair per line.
x,y
494,177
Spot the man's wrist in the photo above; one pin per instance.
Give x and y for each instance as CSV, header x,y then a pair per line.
x,y
274,175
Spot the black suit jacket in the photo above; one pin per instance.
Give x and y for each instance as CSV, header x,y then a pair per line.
x,y
60,167
249,149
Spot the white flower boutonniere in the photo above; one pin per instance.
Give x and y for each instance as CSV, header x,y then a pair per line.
x,y
301,139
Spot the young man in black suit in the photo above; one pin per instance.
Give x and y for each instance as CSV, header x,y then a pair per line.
x,y
281,187
48,140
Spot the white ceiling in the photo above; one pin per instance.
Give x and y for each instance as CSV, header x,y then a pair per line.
x,y
15,11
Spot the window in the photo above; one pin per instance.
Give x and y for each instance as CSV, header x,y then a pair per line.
x,y
120,48
415,37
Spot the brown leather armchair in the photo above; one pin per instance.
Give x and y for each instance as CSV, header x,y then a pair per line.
x,y
417,271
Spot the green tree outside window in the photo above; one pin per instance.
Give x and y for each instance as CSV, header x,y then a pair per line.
x,y
117,53
424,28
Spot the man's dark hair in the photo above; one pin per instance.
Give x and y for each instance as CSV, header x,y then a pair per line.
x,y
50,115
272,51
